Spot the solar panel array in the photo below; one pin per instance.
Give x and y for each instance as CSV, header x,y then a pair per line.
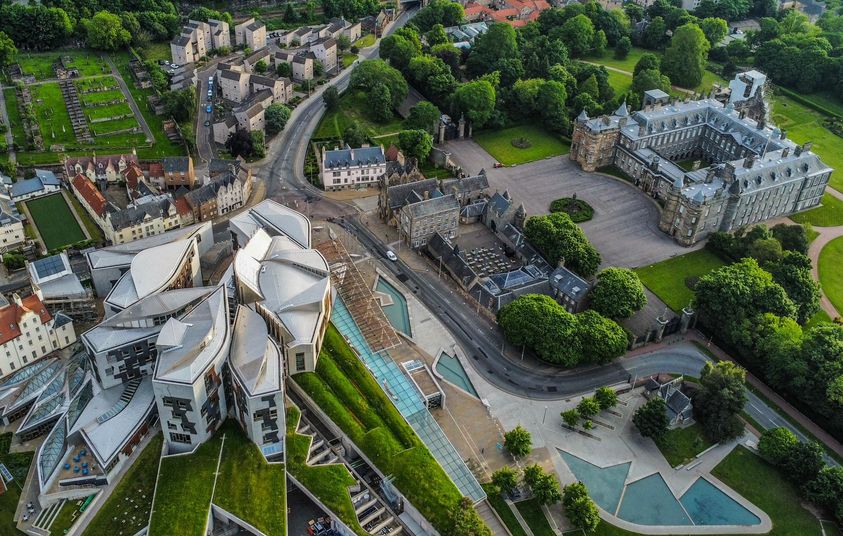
x,y
49,266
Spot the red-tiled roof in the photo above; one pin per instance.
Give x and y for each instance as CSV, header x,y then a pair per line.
x,y
182,206
132,174
502,15
392,153
11,315
90,194
156,169
517,23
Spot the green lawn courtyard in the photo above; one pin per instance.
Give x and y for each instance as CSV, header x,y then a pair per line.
x,y
533,514
365,41
831,276
54,221
669,279
681,445
828,214
354,107
501,144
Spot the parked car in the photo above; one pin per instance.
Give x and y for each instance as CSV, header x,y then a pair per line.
x,y
209,108
174,66
498,164
207,123
391,256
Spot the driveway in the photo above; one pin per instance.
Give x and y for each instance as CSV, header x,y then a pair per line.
x,y
625,224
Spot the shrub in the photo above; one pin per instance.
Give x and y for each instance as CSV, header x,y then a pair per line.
x,y
651,418
518,442
606,397
577,209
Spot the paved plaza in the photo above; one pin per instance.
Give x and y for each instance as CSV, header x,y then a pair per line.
x,y
625,224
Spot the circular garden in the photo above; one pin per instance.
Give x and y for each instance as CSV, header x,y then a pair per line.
x,y
577,209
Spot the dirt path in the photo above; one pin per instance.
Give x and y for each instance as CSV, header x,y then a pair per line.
x,y
827,234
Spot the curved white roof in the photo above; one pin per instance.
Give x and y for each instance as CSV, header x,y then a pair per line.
x,y
254,356
275,219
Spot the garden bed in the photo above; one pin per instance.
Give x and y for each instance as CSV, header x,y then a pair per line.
x,y
577,209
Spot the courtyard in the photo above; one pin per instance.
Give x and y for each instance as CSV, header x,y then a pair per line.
x,y
55,221
625,224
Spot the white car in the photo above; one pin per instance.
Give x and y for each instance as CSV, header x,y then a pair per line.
x,y
174,66
391,256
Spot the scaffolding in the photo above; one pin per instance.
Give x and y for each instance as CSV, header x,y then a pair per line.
x,y
358,297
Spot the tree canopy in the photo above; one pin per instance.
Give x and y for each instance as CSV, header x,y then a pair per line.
x,y
415,143
557,237
618,294
685,58
720,400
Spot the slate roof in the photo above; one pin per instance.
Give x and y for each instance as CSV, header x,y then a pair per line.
x,y
354,157
569,284
474,183
439,248
398,195
132,216
176,164
434,205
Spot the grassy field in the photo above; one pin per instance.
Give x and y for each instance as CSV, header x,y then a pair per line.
x,y
18,463
18,134
348,58
804,124
365,41
680,445
620,82
503,510
55,221
349,394
533,514
67,517
89,99
354,107
99,82
138,481
667,279
820,317
112,110
626,64
254,490
156,51
828,214
52,115
183,493
543,144
763,485
40,64
831,276
329,483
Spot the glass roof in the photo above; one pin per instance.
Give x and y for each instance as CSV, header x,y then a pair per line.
x,y
77,405
52,451
40,380
407,399
43,411
25,373
49,266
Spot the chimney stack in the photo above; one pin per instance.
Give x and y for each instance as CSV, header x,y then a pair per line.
x,y
749,161
785,152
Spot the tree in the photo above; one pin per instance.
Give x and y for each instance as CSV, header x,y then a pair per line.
x,y
105,32
775,444
398,50
588,407
588,86
276,116
793,273
258,143
204,14
423,116
261,67
791,237
505,479
601,339
8,52
622,48
618,293
518,442
551,99
557,237
463,520
649,79
765,250
180,104
685,58
606,397
599,43
239,143
804,462
571,417
343,42
655,34
331,98
579,508
380,103
436,35
354,136
720,400
498,43
651,418
544,485
284,69
827,489
442,12
415,143
715,30
14,260
646,62
732,295
476,101
369,73
35,27
578,34
538,322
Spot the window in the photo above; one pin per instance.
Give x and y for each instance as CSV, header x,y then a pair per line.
x,y
179,438
299,361
171,426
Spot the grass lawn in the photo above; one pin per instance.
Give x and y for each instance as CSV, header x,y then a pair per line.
x,y
348,58
138,481
40,64
826,100
533,514
828,214
67,516
365,41
329,483
667,279
111,110
99,82
830,528
818,318
432,172
354,107
183,493
52,115
543,144
89,99
503,510
16,126
348,393
156,51
54,221
106,127
18,463
93,230
620,82
626,64
764,486
804,124
254,490
680,445
831,276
